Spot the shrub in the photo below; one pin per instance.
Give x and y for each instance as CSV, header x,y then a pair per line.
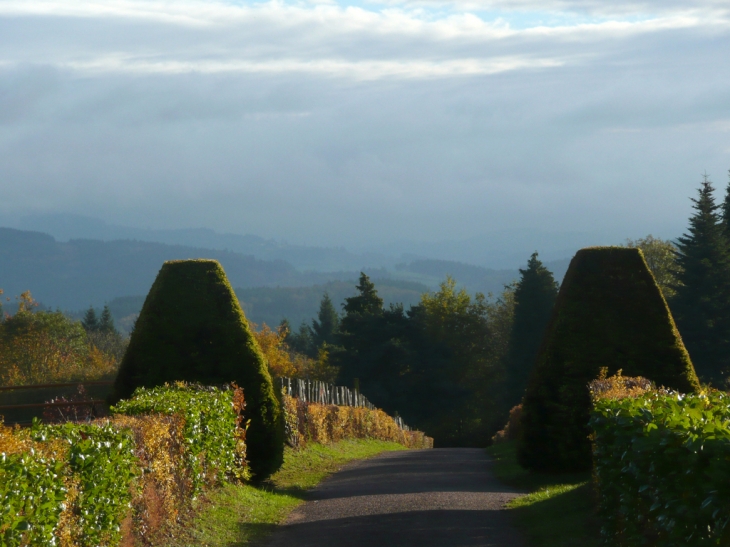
x,y
34,486
191,328
313,422
214,440
661,469
609,314
123,479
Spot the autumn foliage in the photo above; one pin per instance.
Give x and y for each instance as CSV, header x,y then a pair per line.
x,y
45,347
313,422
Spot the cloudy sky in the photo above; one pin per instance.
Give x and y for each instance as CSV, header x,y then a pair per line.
x,y
365,122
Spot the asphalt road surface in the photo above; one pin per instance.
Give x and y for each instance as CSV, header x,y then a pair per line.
x,y
444,497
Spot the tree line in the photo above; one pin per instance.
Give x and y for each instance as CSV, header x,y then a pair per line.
x,y
446,364
454,364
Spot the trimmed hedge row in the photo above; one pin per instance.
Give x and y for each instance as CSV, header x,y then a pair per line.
x,y
314,422
212,432
662,466
119,479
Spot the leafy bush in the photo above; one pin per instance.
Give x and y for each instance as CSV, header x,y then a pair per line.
x,y
609,314
121,479
33,488
101,458
212,432
661,466
324,424
191,328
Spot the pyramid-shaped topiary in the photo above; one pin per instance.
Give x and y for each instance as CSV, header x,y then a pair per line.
x,y
609,313
192,328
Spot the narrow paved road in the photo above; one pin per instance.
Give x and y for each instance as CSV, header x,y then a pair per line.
x,y
425,498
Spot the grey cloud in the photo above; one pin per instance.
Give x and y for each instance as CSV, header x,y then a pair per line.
x,y
611,142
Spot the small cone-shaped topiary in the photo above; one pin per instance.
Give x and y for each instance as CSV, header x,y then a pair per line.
x,y
192,328
609,313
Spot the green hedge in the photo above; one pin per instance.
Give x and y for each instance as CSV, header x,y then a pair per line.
x,y
215,448
192,328
32,494
609,314
101,458
80,481
662,465
91,476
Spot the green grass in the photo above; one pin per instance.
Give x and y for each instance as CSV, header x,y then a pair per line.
x,y
557,511
237,514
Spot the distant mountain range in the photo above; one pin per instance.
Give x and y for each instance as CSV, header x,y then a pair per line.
x,y
75,274
500,250
66,227
81,272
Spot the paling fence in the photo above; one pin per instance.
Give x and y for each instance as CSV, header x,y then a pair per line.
x,y
314,391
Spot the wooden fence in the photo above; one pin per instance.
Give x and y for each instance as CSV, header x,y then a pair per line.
x,y
65,401
314,391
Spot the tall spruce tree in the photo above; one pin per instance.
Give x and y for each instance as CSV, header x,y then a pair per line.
x,y
702,301
726,210
90,322
535,295
106,321
324,328
367,302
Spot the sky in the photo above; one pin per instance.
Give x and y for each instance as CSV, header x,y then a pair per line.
x,y
364,123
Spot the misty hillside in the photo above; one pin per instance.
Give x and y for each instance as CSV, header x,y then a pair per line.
x,y
65,227
78,273
81,272
473,278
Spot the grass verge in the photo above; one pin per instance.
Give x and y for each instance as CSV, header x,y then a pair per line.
x,y
557,511
237,514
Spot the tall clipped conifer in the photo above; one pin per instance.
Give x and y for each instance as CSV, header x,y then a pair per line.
x,y
192,328
535,295
702,300
609,313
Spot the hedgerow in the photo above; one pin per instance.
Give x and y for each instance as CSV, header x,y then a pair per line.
x,y
661,466
313,422
212,432
33,488
119,480
124,479
101,460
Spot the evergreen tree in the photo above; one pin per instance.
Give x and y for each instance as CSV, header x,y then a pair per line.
x,y
610,314
702,301
106,322
90,322
285,327
324,328
367,334
726,210
535,295
367,302
302,341
192,328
